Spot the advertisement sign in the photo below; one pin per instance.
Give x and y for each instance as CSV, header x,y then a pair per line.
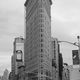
x,y
19,55
75,57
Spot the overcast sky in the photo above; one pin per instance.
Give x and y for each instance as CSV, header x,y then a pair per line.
x,y
65,26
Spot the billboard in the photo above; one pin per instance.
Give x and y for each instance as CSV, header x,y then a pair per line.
x,y
19,46
75,57
20,51
19,55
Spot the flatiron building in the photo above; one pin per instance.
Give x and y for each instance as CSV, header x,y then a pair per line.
x,y
37,46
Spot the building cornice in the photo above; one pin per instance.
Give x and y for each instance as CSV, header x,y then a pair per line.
x,y
26,2
50,2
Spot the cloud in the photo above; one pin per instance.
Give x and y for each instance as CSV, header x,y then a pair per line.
x,y
65,18
11,26
11,17
68,10
66,24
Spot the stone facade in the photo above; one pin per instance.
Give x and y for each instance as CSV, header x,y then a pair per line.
x,y
38,39
55,58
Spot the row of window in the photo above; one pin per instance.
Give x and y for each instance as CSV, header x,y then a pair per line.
x,y
39,18
46,72
43,50
32,10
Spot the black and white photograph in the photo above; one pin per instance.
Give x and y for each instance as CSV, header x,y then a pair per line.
x,y
39,39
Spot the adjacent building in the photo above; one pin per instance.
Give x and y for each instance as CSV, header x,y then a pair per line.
x,y
60,66
37,47
17,58
55,51
10,76
5,75
0,77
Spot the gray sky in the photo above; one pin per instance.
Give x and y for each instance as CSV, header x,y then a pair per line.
x,y
65,26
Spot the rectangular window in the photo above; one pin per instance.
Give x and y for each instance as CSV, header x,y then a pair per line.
x,y
41,50
41,30
41,40
41,55
41,60
41,25
41,71
41,35
41,45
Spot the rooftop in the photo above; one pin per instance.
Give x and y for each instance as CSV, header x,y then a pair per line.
x,y
28,1
50,2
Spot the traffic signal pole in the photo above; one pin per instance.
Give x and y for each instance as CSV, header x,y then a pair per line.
x,y
75,44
